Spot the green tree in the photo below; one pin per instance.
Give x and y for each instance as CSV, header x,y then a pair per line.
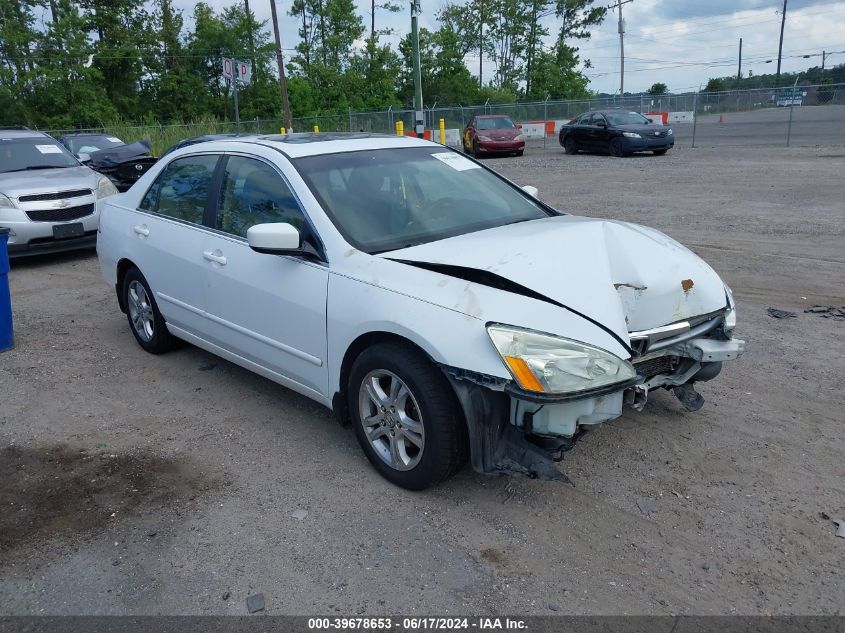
x,y
716,85
658,89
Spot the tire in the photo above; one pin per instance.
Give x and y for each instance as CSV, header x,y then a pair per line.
x,y
615,148
429,414
145,320
569,145
660,152
519,153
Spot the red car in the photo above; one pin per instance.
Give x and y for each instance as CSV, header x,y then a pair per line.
x,y
493,134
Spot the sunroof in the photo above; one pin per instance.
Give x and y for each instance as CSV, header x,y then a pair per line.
x,y
310,137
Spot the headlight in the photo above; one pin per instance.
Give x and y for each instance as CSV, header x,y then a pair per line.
x,y
669,132
519,137
730,313
631,135
550,364
6,203
484,139
105,188
6,208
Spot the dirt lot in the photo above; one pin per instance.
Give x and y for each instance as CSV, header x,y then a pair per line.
x,y
141,484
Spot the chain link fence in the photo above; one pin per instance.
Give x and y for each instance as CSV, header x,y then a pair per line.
x,y
768,116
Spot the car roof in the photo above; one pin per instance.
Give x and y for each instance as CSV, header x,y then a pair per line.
x,y
492,116
18,133
310,144
75,134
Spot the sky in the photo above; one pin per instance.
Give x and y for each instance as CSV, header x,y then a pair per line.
x,y
681,43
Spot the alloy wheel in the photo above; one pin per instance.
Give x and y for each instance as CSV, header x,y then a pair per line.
x,y
391,418
140,310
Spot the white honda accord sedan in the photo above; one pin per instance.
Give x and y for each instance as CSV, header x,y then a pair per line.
x,y
443,311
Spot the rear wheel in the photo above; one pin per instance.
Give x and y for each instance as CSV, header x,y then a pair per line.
x,y
660,152
406,417
145,320
615,148
569,145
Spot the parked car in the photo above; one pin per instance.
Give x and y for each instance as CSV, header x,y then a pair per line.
x,y
48,200
123,163
421,296
617,132
84,143
493,134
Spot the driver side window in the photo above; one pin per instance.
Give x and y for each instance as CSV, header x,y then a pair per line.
x,y
254,193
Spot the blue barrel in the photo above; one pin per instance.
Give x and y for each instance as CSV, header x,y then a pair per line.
x,y
7,340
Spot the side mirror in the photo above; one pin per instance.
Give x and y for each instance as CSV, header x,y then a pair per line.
x,y
84,158
278,238
531,190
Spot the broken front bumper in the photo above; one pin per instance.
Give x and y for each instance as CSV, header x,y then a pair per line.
x,y
520,433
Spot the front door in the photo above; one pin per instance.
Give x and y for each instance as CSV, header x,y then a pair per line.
x,y
268,309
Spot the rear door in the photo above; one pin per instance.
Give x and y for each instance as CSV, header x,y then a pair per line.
x,y
169,234
267,309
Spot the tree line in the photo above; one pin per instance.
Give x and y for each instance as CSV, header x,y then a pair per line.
x,y
81,64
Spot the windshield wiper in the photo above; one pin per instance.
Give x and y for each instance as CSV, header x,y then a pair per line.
x,y
8,171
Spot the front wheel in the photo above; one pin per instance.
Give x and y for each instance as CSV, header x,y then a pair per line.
x,y
615,148
660,152
406,417
145,320
569,145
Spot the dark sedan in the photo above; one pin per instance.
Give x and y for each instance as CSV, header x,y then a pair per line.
x,y
617,132
123,164
493,134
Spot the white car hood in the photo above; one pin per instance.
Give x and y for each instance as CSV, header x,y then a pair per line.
x,y
624,276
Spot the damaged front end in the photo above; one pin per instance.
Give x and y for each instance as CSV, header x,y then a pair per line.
x,y
517,429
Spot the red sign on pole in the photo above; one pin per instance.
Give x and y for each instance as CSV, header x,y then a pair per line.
x,y
228,68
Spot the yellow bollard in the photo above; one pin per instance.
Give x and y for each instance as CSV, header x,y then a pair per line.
x,y
283,130
316,129
396,128
442,131
401,128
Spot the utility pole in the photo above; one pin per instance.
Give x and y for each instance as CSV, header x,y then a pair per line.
x,y
280,62
419,122
739,70
780,46
621,29
251,38
824,54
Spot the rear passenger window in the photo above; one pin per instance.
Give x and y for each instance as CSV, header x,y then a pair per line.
x,y
181,190
254,193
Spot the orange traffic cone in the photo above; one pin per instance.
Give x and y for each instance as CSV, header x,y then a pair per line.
x,y
721,119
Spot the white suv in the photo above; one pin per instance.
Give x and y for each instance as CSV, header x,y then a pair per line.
x,y
442,310
48,200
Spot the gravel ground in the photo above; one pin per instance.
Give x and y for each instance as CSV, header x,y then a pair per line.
x,y
181,484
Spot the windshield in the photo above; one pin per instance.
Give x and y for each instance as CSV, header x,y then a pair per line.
x,y
387,199
90,144
40,152
497,123
626,118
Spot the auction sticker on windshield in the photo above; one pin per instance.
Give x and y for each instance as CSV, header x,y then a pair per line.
x,y
49,149
455,161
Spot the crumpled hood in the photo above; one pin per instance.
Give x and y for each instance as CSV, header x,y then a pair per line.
x,y
624,276
20,183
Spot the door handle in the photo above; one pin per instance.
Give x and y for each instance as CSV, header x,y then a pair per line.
x,y
142,230
215,256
